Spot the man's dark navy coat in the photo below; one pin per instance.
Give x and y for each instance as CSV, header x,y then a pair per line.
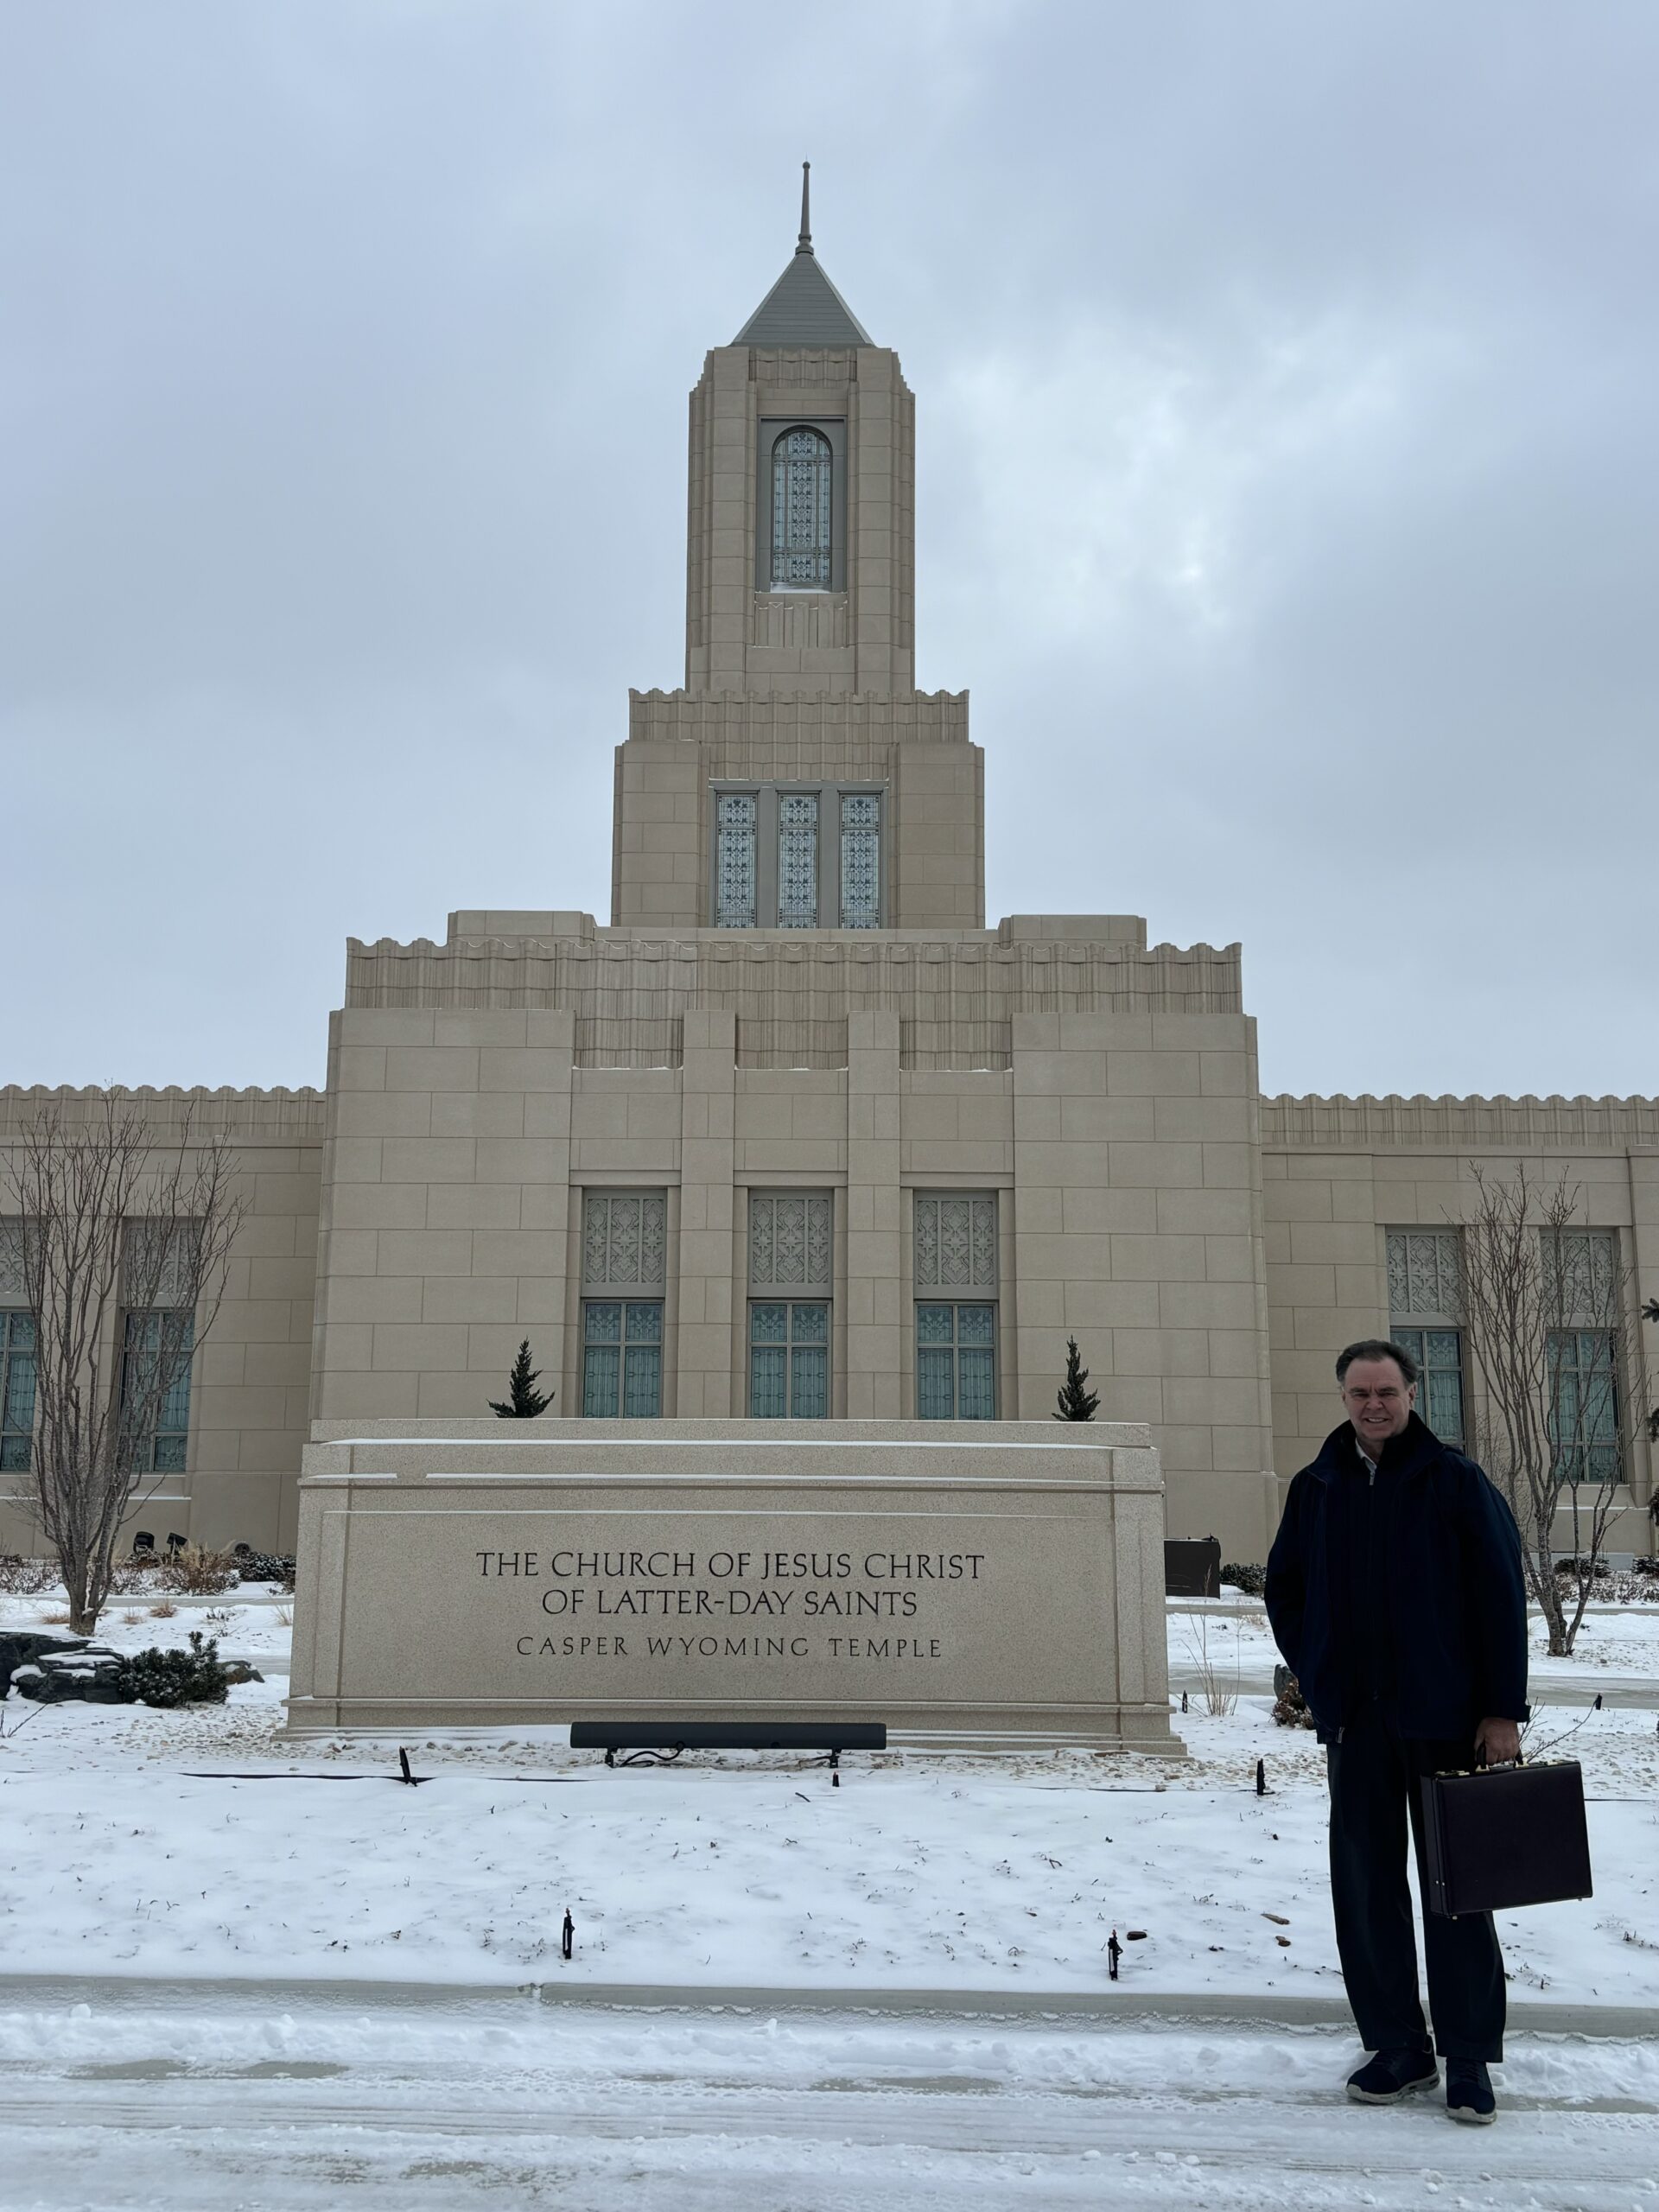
x,y
1409,1591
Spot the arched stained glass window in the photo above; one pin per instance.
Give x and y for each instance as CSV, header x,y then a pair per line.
x,y
800,510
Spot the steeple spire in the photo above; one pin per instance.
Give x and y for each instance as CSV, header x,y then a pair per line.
x,y
804,308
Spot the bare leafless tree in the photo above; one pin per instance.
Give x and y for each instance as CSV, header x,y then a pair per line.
x,y
1555,1335
113,1219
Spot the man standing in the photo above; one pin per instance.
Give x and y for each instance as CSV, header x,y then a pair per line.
x,y
1397,1595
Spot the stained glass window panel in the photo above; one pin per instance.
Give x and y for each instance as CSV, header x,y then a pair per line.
x,y
791,1244
735,870
1580,1275
1584,1405
936,1384
158,1345
801,523
976,1392
860,861
625,1239
797,861
1424,1274
16,1391
601,1365
955,1242
768,1380
1438,1355
789,1359
809,1381
642,1382
956,1363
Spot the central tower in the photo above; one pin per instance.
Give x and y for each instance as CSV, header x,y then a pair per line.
x,y
799,780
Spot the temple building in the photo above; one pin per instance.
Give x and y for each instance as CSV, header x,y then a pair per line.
x,y
794,1132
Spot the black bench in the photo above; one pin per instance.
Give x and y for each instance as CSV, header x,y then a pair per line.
x,y
654,1742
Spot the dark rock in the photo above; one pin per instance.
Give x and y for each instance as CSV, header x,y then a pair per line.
x,y
19,1650
88,1674
238,1670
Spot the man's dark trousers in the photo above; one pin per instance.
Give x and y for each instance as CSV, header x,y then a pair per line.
x,y
1375,1774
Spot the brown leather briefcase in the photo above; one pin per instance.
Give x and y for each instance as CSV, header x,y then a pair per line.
x,y
1505,1836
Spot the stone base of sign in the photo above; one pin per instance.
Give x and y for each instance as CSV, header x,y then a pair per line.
x,y
991,1585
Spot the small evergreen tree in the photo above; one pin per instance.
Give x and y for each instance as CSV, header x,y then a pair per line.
x,y
1077,1401
524,1401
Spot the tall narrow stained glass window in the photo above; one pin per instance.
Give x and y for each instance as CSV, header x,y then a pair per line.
x,y
956,1342
1425,1307
789,1359
798,861
16,1391
1584,1406
801,479
734,872
860,861
157,1350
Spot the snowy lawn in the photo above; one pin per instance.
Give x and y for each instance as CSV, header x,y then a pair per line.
x,y
946,1872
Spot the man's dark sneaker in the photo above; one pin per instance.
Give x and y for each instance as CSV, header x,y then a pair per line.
x,y
1469,2092
1392,2074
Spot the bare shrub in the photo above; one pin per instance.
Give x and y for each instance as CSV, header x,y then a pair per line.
x,y
198,1572
26,1578
1555,1331
112,1220
164,1610
134,1576
1217,1680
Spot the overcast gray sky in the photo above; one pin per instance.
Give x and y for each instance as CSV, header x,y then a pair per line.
x,y
1286,462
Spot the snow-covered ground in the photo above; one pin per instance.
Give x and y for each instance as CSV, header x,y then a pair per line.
x,y
261,1990
137,1850
507,2103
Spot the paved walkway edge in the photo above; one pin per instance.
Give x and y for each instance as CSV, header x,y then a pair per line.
x,y
1094,2008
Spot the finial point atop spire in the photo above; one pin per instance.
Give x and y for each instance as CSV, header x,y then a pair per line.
x,y
804,244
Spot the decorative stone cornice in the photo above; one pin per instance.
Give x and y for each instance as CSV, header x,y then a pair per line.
x,y
1365,1123
956,993
295,1116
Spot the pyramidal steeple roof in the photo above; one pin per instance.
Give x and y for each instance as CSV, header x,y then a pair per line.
x,y
804,308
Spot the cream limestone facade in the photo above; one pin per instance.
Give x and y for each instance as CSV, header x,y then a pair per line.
x,y
796,993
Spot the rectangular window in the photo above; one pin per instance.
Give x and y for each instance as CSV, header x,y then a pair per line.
x,y
1425,1308
798,861
955,1336
789,1359
790,1243
956,1363
1580,1276
1438,1355
860,861
735,877
157,1353
621,1359
791,1249
1584,1406
956,1243
624,1261
789,858
624,1240
16,1392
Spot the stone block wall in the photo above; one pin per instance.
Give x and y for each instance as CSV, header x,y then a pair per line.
x,y
1337,1174
250,1382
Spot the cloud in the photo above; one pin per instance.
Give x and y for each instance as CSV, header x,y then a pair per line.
x,y
1286,464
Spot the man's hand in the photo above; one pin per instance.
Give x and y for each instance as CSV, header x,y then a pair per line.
x,y
1496,1741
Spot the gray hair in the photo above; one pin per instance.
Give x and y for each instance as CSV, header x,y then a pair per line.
x,y
1377,1348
